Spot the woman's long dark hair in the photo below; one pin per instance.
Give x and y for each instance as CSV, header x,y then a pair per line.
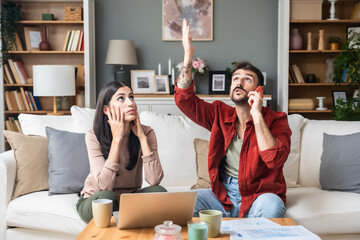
x,y
102,128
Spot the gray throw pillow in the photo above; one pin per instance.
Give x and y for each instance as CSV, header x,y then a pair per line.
x,y
68,161
340,163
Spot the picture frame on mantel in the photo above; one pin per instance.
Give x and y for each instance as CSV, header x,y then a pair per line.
x,y
353,29
32,38
142,81
199,16
218,82
161,83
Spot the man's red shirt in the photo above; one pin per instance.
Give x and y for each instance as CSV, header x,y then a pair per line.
x,y
259,171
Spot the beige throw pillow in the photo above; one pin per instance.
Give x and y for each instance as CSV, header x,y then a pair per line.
x,y
31,154
201,149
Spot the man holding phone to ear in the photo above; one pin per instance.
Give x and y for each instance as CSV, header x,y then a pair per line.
x,y
248,146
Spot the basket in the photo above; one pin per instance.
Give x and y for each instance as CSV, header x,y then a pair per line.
x,y
73,13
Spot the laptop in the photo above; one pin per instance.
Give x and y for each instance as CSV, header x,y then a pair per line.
x,y
141,210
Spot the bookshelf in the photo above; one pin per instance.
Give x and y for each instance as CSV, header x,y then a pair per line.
x,y
314,61
56,34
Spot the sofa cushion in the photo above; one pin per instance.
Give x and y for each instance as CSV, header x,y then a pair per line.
x,y
175,136
201,148
31,155
291,166
312,145
324,212
40,211
35,124
82,118
69,163
340,163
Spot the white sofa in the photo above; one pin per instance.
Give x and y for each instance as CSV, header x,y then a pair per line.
x,y
330,214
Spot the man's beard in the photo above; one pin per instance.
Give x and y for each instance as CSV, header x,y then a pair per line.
x,y
239,101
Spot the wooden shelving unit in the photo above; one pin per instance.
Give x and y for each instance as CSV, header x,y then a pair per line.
x,y
314,61
56,32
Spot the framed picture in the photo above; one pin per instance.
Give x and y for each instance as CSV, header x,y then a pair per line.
x,y
218,82
142,81
32,38
161,83
199,15
353,29
338,95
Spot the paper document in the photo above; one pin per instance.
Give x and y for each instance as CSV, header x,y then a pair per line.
x,y
262,228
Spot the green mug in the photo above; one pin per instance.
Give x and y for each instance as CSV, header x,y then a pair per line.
x,y
213,217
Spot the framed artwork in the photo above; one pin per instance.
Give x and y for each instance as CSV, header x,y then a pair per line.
x,y
199,15
32,38
218,82
353,29
336,95
161,83
142,81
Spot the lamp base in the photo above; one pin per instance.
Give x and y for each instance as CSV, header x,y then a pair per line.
x,y
120,76
55,112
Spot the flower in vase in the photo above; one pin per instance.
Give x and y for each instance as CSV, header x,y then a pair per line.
x,y
198,65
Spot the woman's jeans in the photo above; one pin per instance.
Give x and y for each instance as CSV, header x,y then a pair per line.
x,y
267,205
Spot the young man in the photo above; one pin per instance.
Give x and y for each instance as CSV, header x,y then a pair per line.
x,y
248,147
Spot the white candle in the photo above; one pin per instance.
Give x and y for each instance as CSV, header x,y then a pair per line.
x,y
159,69
169,67
173,76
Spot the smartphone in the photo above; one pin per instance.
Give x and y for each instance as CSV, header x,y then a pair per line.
x,y
260,90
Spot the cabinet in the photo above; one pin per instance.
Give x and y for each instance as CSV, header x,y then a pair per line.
x,y
56,32
314,61
165,104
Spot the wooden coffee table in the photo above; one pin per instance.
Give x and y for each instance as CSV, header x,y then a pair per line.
x,y
112,232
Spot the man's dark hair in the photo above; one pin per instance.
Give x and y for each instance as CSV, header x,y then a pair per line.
x,y
246,65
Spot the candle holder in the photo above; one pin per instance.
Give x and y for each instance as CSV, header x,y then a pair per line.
x,y
332,10
171,85
321,103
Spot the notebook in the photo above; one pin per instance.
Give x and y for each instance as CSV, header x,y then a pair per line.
x,y
140,210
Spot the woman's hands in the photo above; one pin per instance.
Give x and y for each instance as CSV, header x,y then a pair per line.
x,y
116,120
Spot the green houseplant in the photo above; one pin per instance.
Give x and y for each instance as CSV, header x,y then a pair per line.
x,y
10,17
347,62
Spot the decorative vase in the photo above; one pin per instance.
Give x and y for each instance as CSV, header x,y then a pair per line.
x,y
44,45
295,39
334,46
321,45
309,42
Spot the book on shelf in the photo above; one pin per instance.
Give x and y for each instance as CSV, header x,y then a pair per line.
x,y
12,106
34,101
68,47
297,73
66,40
75,40
6,80
8,126
14,124
9,74
82,44
7,101
19,101
23,75
355,14
14,72
24,99
29,101
81,39
18,43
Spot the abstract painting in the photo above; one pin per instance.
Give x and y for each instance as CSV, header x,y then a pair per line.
x,y
198,13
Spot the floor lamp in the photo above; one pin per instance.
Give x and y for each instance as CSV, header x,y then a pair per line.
x,y
54,81
121,52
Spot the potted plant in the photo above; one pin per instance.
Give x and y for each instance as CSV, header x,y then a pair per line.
x,y
347,64
334,43
10,17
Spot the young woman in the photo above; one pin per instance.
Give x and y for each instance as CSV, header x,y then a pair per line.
x,y
119,147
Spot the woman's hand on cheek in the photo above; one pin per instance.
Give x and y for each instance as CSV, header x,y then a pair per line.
x,y
136,126
117,122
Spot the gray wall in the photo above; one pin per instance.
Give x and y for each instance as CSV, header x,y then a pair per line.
x,y
243,30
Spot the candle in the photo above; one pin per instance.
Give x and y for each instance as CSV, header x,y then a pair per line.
x,y
173,76
159,69
197,231
169,67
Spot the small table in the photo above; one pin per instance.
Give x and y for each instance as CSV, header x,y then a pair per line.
x,y
112,232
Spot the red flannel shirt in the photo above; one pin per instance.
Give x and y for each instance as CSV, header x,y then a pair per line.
x,y
259,171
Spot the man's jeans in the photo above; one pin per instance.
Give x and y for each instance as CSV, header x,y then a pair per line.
x,y
266,205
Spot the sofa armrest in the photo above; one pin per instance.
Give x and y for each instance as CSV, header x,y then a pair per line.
x,y
7,181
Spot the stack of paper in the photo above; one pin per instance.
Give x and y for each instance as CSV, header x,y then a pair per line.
x,y
262,228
